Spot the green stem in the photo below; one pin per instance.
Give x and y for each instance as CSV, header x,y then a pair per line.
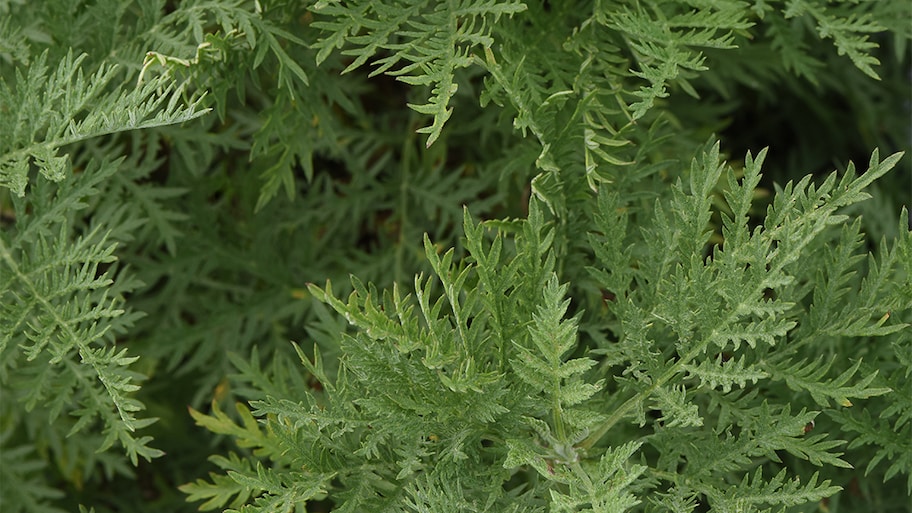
x,y
628,405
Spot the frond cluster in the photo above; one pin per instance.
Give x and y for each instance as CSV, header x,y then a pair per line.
x,y
420,43
700,349
45,111
60,313
629,320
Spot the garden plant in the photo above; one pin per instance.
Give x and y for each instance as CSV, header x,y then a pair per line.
x,y
455,256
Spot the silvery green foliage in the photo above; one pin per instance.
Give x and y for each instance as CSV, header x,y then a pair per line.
x,y
614,330
476,392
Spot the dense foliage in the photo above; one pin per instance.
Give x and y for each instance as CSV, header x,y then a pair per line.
x,y
463,255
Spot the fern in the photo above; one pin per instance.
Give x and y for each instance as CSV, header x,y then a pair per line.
x,y
55,110
223,490
849,33
427,43
57,306
631,319
431,363
63,308
776,491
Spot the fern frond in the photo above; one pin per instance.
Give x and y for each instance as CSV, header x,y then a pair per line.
x,y
48,111
886,436
676,410
281,491
892,442
726,373
850,31
59,302
716,301
783,430
546,371
202,31
664,43
811,377
608,488
222,490
427,42
446,489
751,494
